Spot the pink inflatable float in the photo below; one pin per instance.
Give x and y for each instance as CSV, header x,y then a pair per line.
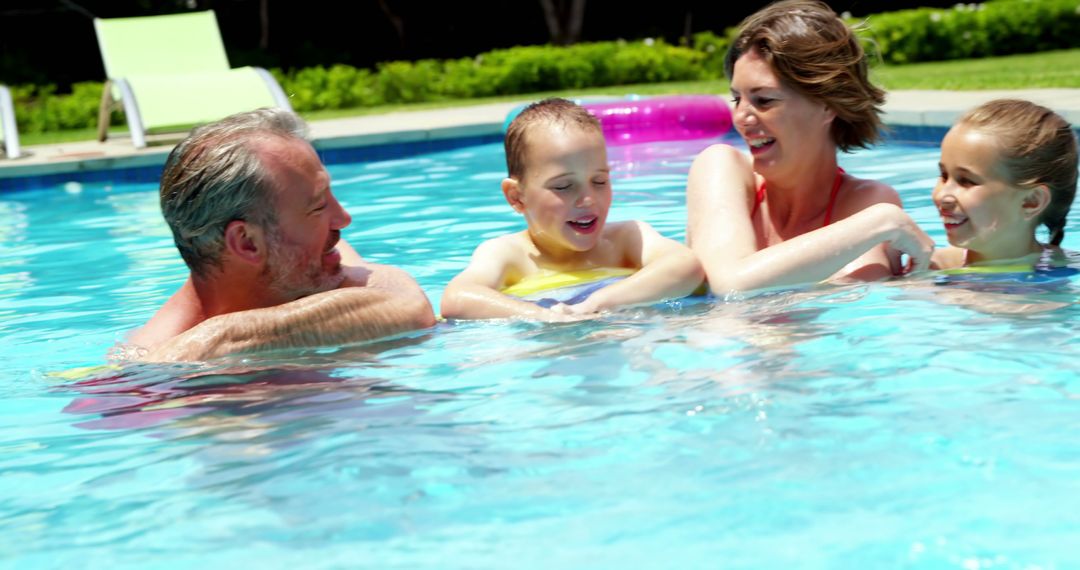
x,y
674,117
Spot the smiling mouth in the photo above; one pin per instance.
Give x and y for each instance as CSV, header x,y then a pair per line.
x,y
760,144
952,220
583,224
335,237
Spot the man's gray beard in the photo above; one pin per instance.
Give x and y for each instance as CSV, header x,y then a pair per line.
x,y
282,275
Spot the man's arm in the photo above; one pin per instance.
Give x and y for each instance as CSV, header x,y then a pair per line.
x,y
378,301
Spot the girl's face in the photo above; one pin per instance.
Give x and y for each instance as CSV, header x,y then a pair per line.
x,y
777,122
983,211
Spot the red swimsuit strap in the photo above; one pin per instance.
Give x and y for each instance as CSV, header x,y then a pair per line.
x,y
759,197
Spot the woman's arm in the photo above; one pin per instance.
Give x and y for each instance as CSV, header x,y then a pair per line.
x,y
722,235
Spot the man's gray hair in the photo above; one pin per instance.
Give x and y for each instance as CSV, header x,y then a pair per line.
x,y
215,176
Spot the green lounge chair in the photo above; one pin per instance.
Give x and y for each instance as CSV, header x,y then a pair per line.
x,y
171,73
7,124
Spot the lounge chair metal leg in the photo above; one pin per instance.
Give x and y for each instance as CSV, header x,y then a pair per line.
x,y
275,89
105,112
7,117
131,111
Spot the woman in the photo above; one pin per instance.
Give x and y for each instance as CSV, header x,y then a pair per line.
x,y
790,214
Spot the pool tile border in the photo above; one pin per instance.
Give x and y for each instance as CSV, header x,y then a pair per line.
x,y
146,168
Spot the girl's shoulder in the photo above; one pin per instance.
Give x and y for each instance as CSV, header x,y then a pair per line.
x,y
947,258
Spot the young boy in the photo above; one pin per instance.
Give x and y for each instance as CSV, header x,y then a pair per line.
x,y
559,179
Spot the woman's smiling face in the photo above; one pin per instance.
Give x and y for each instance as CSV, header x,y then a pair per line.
x,y
777,122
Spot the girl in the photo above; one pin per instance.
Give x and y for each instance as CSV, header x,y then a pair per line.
x,y
1006,167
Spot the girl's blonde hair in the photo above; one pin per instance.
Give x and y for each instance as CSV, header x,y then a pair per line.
x,y
1037,146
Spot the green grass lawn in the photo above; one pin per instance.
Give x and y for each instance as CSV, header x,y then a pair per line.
x,y
1028,71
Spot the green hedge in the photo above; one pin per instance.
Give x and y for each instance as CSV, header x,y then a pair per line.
x,y
500,72
997,27
511,71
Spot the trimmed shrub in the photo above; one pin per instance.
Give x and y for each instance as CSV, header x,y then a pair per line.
x,y
997,27
39,109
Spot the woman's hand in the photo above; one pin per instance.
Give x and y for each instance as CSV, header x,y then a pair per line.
x,y
906,238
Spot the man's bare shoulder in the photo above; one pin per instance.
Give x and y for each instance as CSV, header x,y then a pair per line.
x,y
367,274
394,280
180,312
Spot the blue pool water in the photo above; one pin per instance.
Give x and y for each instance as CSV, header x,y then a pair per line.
x,y
880,425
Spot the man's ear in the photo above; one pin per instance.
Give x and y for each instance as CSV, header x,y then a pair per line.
x,y
245,242
1036,199
512,192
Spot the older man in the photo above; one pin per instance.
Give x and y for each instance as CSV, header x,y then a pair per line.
x,y
251,211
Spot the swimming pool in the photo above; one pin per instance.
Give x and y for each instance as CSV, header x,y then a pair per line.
x,y
877,425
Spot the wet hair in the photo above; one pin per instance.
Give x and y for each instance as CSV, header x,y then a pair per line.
x,y
552,111
815,53
1037,146
216,176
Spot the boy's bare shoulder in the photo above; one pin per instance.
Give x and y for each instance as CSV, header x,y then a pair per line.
x,y
508,245
625,227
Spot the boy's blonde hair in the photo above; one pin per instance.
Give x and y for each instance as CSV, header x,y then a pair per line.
x,y
552,111
1037,146
815,53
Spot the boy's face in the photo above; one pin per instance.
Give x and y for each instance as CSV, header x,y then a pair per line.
x,y
565,191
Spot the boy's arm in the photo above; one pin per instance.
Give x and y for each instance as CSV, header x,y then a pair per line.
x,y
376,301
668,269
474,293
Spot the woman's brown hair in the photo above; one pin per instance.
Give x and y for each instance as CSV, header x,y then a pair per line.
x,y
815,53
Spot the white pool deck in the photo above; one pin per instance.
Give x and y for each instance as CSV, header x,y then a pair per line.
x,y
913,108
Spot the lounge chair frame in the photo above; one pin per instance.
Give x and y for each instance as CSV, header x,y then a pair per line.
x,y
120,90
7,119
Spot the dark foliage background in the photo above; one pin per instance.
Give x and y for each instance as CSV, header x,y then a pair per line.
x,y
52,41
